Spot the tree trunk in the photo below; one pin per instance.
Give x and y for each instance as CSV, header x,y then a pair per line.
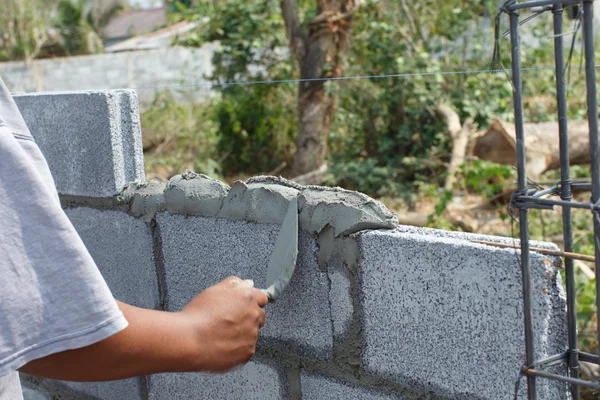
x,y
316,109
320,50
498,144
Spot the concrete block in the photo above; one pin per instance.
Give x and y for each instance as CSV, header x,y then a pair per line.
x,y
444,315
91,140
32,388
49,389
438,233
33,393
318,387
253,381
201,251
122,247
126,389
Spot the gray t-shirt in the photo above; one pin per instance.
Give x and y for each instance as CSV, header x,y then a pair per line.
x,y
52,296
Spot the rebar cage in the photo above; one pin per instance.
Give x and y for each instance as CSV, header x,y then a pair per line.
x,y
533,196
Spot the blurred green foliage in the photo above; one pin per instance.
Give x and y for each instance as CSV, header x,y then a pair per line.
x,y
385,137
77,28
31,29
24,28
178,136
256,123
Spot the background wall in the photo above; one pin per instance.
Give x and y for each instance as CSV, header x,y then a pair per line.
x,y
168,66
401,313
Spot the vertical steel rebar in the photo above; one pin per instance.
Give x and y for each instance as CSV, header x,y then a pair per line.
x,y
523,212
565,194
592,113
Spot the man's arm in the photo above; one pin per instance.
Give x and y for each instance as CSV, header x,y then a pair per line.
x,y
215,332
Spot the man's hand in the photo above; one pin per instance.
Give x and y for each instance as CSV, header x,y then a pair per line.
x,y
227,318
215,332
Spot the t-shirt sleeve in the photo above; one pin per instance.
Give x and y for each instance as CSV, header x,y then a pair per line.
x,y
52,296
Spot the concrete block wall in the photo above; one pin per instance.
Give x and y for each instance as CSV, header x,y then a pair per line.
x,y
373,311
152,70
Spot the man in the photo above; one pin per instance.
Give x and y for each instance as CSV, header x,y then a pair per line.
x,y
58,318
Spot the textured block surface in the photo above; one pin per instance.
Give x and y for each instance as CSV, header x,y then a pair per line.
x,y
30,393
445,315
439,233
317,387
91,140
201,251
127,389
121,246
255,381
50,389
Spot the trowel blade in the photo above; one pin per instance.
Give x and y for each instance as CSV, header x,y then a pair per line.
x,y
283,259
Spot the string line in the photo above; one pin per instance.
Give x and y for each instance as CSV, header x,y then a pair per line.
x,y
344,78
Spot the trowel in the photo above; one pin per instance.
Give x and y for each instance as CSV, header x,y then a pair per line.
x,y
283,259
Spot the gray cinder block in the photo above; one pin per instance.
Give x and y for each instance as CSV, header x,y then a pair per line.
x,y
445,315
254,381
126,389
50,389
318,387
439,233
121,246
33,393
201,251
91,140
33,389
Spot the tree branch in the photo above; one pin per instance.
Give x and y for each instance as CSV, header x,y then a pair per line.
x,y
459,135
295,34
330,16
411,22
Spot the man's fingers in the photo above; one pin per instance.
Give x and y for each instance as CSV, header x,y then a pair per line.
x,y
262,318
261,297
258,295
235,282
232,281
248,283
